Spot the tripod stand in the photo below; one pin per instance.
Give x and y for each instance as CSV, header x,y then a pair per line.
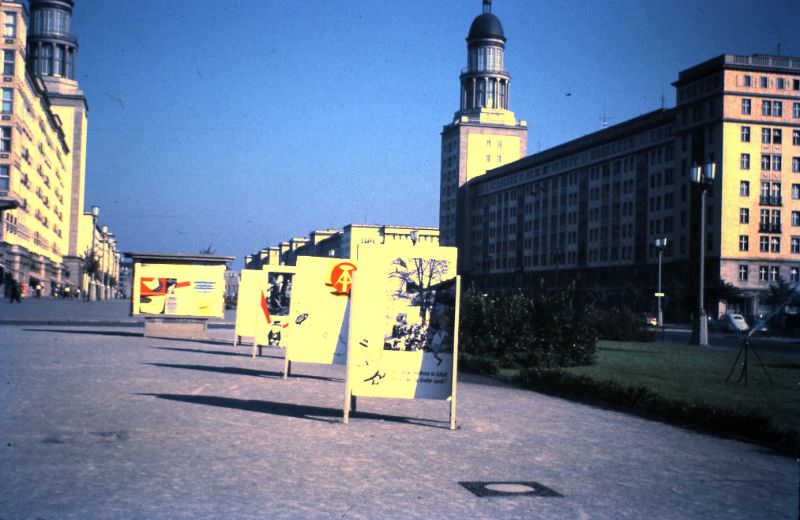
x,y
744,352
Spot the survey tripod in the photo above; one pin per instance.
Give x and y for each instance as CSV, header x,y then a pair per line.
x,y
744,353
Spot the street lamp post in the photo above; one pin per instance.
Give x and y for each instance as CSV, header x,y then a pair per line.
x,y
703,176
89,284
661,244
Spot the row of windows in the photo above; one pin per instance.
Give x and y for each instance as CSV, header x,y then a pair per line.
x,y
769,162
764,82
768,273
773,218
769,244
9,24
770,108
768,189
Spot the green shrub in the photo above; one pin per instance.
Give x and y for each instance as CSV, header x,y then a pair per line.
x,y
621,325
748,424
518,330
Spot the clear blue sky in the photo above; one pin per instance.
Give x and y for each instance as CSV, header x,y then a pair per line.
x,y
241,123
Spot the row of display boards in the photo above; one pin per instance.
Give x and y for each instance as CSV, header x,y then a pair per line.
x,y
389,313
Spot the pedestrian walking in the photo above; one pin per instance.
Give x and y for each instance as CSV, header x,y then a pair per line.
x,y
15,293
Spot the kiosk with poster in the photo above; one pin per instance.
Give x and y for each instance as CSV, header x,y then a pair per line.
x,y
319,311
403,337
178,293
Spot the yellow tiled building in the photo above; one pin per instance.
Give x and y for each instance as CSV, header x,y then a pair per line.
x,y
44,239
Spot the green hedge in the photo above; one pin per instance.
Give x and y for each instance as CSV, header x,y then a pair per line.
x,y
518,330
747,424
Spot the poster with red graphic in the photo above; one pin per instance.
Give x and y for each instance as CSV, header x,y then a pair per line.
x,y
319,307
179,290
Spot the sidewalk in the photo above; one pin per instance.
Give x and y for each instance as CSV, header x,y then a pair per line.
x,y
103,423
46,311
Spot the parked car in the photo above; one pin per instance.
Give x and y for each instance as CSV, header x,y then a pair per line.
x,y
649,320
730,323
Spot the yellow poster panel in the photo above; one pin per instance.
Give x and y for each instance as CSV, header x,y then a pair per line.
x,y
162,289
247,302
402,327
273,321
319,310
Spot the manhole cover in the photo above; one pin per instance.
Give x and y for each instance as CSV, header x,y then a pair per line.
x,y
497,489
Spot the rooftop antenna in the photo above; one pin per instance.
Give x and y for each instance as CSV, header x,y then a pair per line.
x,y
487,6
605,118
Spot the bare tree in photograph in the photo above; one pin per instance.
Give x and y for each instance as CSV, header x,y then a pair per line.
x,y
419,278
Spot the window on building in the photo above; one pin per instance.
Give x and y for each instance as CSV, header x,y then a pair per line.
x,y
762,273
766,107
764,220
796,164
765,162
774,273
744,161
5,139
796,191
744,188
777,136
794,274
796,110
796,137
746,106
775,245
10,25
744,243
780,83
763,82
8,100
777,108
776,163
763,244
8,62
744,216
796,218
744,273
4,177
748,80
795,245
745,134
766,135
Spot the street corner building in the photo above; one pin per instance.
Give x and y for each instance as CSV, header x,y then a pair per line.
x,y
48,243
589,211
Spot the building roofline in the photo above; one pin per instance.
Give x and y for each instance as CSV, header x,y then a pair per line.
x,y
652,119
756,62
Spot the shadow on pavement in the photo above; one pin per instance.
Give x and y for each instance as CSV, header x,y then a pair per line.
x,y
314,413
216,352
94,332
242,371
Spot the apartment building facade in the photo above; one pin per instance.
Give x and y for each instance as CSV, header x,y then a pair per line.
x,y
591,209
44,236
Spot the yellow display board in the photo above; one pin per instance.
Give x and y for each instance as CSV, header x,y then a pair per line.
x,y
179,289
319,310
403,340
273,323
247,303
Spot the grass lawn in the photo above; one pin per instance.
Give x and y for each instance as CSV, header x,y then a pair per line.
x,y
697,375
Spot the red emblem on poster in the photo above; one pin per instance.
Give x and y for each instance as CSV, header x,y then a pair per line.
x,y
342,277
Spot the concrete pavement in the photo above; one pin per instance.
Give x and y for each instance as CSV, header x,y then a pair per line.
x,y
103,423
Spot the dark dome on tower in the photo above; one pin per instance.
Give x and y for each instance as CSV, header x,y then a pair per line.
x,y
486,26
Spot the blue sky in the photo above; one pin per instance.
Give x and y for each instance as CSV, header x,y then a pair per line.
x,y
241,123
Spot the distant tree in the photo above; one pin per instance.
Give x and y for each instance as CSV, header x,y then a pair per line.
x,y
91,265
721,290
782,293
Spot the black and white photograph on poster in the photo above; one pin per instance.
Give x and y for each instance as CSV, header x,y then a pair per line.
x,y
422,306
279,293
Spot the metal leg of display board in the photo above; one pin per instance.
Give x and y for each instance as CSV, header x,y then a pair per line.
x,y
455,356
287,367
255,347
236,340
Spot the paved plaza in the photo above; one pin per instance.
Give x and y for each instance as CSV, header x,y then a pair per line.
x,y
100,422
